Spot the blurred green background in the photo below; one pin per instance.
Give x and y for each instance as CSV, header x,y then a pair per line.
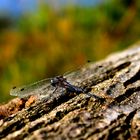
x,y
53,38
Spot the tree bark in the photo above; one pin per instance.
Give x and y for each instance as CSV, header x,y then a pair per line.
x,y
114,115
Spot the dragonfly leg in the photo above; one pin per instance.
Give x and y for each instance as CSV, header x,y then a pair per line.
x,y
55,89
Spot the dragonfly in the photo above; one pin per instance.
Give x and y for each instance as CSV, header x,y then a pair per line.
x,y
48,86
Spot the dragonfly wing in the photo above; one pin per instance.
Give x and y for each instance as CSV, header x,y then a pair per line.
x,y
40,87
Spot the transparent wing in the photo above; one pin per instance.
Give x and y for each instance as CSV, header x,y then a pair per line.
x,y
40,87
79,74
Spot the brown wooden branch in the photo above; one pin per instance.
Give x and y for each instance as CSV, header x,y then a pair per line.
x,y
79,116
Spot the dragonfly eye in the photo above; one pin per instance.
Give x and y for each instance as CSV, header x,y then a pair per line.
x,y
54,82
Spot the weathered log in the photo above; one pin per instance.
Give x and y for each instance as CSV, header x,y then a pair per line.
x,y
115,115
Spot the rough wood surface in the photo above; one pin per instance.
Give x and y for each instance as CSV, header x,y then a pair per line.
x,y
78,116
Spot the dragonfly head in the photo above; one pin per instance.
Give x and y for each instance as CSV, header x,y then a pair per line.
x,y
54,81
58,80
